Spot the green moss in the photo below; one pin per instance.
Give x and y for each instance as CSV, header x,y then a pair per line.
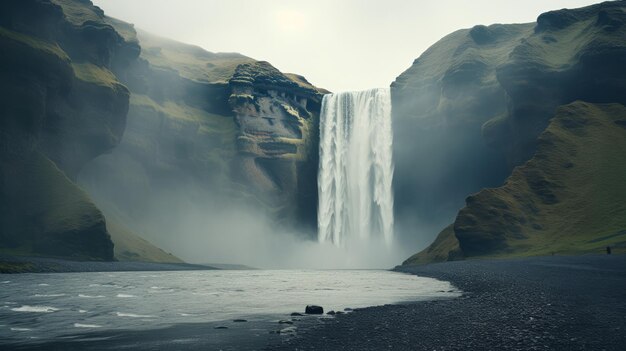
x,y
125,29
191,62
458,49
16,267
444,248
45,213
91,73
131,247
567,199
562,35
77,12
215,130
36,43
67,207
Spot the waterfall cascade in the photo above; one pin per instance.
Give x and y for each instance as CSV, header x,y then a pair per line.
x,y
356,168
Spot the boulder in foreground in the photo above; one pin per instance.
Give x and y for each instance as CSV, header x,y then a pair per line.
x,y
314,309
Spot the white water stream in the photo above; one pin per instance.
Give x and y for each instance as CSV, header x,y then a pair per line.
x,y
356,167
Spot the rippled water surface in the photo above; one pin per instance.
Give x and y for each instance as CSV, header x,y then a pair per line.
x,y
49,305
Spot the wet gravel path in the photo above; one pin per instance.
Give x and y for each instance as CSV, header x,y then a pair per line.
x,y
545,303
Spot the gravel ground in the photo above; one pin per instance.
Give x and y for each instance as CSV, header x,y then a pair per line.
x,y
541,303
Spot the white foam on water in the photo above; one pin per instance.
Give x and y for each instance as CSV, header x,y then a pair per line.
x,y
90,296
48,295
125,295
5,282
35,309
82,311
80,325
21,329
133,315
43,284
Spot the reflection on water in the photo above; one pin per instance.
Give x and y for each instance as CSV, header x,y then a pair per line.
x,y
43,306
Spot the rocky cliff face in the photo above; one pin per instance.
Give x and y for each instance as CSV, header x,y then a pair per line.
x,y
277,117
205,131
440,105
507,83
61,107
195,125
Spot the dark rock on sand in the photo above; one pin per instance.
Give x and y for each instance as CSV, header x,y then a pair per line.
x,y
314,309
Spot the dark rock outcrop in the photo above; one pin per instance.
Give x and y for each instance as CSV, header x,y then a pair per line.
x,y
314,309
277,118
61,106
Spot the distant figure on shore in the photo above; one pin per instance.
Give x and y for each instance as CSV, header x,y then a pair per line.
x,y
608,250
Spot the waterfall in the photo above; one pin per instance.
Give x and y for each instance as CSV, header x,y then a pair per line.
x,y
356,168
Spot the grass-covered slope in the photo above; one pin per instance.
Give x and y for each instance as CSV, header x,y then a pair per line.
x,y
131,247
189,61
62,105
569,198
473,106
444,248
42,212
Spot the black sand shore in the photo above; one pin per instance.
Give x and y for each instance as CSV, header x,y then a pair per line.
x,y
542,303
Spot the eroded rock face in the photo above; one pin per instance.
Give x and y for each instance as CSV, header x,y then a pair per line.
x,y
277,120
208,130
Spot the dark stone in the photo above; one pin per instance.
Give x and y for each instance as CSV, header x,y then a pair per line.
x,y
331,312
314,309
296,314
221,327
347,309
239,320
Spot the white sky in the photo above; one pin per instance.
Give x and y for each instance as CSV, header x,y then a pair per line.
x,y
336,44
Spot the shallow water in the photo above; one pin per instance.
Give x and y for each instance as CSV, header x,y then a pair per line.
x,y
45,306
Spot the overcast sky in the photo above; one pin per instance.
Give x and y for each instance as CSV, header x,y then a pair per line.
x,y
336,44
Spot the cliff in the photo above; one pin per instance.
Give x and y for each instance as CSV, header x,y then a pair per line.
x,y
88,102
208,131
504,98
61,106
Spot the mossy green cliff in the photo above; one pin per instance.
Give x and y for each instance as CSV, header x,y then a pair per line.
x,y
88,99
539,108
